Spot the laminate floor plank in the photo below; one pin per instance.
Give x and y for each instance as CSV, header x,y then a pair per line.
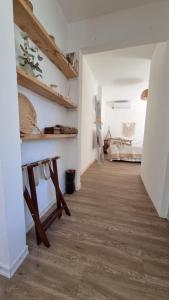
x,y
113,247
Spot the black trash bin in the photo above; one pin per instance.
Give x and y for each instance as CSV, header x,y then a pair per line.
x,y
70,181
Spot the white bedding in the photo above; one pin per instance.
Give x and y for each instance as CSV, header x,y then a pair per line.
x,y
125,152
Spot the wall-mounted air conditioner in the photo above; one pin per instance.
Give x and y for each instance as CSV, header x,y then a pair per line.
x,y
121,104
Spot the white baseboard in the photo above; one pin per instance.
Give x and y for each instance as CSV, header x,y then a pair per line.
x,y
87,167
9,271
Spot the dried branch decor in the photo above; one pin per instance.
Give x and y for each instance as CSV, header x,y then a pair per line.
x,y
30,57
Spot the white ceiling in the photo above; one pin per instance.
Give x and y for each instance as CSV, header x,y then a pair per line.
x,y
122,67
76,10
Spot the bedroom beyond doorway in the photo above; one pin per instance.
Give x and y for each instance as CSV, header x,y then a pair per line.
x,y
122,76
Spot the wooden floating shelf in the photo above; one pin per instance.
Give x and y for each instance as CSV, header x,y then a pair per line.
x,y
26,20
38,137
42,89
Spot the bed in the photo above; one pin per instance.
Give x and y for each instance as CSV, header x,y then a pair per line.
x,y
124,151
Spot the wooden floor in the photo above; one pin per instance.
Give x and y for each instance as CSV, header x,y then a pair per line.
x,y
114,246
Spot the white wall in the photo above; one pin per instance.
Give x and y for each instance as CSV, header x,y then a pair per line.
x,y
13,247
127,28
51,16
155,170
111,31
48,113
88,117
132,27
123,29
113,118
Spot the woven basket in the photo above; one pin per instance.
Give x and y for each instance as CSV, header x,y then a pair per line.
x,y
27,115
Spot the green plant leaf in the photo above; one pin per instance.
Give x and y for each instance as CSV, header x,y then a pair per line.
x,y
40,58
22,57
30,55
23,49
39,75
38,69
24,35
32,49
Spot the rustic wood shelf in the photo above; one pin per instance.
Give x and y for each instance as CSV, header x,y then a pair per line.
x,y
42,89
38,137
26,20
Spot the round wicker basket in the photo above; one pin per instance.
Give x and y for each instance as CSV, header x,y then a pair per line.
x,y
27,115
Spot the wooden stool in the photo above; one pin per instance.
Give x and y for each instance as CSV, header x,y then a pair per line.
x,y
32,203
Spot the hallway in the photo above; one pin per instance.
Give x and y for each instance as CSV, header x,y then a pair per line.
x,y
114,247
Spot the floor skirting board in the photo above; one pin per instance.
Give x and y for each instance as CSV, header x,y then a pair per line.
x,y
9,271
87,167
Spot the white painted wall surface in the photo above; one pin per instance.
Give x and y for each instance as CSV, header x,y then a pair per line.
x,y
88,117
113,118
51,16
13,247
48,113
126,28
123,29
155,170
